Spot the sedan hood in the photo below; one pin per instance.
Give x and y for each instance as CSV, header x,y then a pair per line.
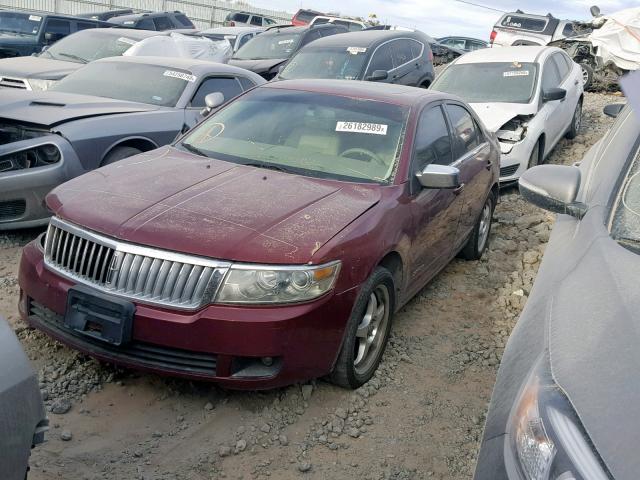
x,y
258,66
178,201
53,108
495,115
37,67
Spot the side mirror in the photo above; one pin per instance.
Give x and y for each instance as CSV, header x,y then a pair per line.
x,y
439,176
50,37
613,109
553,188
212,101
552,94
595,11
378,75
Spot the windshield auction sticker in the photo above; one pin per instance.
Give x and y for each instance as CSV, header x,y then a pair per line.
x,y
181,75
35,18
357,127
128,41
516,73
284,42
356,50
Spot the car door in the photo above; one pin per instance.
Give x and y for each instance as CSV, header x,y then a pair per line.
x,y
229,86
570,83
472,154
435,212
552,111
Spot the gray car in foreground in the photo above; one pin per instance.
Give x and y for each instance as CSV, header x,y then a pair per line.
x,y
23,421
566,404
108,110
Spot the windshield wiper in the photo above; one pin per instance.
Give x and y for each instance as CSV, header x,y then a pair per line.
x,y
73,57
193,149
270,166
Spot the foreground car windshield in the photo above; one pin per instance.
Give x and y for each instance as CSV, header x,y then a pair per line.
x,y
152,84
489,82
86,46
337,63
307,133
268,46
625,226
20,23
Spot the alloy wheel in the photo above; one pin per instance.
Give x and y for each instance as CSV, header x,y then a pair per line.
x,y
485,224
371,332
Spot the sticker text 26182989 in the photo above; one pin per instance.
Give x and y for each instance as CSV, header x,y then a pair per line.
x,y
358,127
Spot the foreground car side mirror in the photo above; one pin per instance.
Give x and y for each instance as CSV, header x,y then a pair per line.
x,y
553,188
552,94
378,75
439,176
212,101
613,109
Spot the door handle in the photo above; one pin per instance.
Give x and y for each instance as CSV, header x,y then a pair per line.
x,y
489,164
458,191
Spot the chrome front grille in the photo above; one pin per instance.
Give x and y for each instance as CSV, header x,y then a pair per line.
x,y
6,82
140,273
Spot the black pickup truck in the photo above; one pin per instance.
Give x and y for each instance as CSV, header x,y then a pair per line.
x,y
24,33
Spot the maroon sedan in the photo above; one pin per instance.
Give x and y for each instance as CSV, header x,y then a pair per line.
x,y
271,244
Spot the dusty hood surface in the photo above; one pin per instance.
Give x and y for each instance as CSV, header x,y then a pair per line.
x,y
257,66
37,67
179,201
618,40
495,115
53,108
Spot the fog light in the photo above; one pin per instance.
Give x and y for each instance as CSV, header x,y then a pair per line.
x,y
267,361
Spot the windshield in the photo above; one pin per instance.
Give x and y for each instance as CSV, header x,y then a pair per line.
x,y
268,46
336,62
151,84
625,225
88,45
20,23
306,133
489,82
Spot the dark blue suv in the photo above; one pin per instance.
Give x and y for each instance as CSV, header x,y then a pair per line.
x,y
24,33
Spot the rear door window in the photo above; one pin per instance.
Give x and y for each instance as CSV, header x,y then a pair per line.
x,y
145,24
162,23
563,67
433,141
465,132
567,31
84,25
382,59
401,51
240,17
255,20
524,23
184,21
550,75
228,86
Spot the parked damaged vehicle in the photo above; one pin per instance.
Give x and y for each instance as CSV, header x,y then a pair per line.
x,y
266,53
520,28
23,420
380,56
92,118
40,71
565,403
529,96
271,244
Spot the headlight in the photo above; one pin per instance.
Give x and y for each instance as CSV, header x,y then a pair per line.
x,y
546,440
271,284
37,84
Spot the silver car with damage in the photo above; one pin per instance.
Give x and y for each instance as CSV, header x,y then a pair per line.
x,y
109,110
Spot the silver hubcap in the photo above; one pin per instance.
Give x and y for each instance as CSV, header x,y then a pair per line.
x,y
585,76
578,117
485,223
372,330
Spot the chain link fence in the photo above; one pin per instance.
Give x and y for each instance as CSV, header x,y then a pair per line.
x,y
203,13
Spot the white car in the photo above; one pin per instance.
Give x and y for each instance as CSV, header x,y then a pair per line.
x,y
530,97
352,24
237,36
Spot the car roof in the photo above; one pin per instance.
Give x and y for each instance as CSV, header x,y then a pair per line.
x,y
138,16
233,30
383,92
130,33
57,15
529,54
193,65
363,38
461,38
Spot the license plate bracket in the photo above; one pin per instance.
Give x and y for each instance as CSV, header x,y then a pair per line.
x,y
98,315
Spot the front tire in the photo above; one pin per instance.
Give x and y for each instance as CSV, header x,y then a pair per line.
x,y
119,153
576,121
479,239
367,331
587,75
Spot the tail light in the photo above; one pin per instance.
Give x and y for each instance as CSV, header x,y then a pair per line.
x,y
492,37
232,24
430,55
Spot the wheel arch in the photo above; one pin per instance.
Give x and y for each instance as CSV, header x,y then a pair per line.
x,y
141,143
393,262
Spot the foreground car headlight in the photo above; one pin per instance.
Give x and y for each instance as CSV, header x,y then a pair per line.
x,y
38,84
271,284
546,440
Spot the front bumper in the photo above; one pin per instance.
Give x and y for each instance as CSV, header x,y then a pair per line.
x,y
516,162
224,344
22,192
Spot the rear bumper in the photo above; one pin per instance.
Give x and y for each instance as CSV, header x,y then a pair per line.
x,y
224,344
22,192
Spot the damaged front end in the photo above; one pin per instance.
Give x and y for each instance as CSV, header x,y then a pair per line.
x,y
513,132
25,155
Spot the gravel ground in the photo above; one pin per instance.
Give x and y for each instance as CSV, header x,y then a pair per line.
x,y
421,416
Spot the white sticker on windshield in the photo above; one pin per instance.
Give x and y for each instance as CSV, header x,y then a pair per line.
x,y
180,75
35,18
356,50
357,127
516,73
284,42
128,22
128,41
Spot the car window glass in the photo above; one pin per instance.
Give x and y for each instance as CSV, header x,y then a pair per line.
x,y
381,59
60,27
162,23
229,87
241,17
625,224
146,24
311,36
567,31
416,49
550,75
401,52
456,43
563,68
355,27
268,21
244,39
246,83
433,142
184,20
256,21
84,25
471,45
524,23
464,130
320,21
